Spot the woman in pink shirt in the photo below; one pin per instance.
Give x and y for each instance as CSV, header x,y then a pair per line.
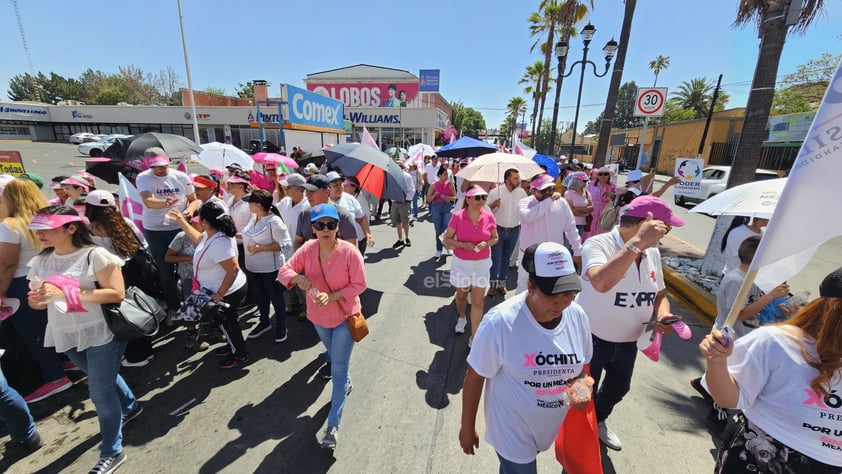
x,y
602,191
471,232
335,278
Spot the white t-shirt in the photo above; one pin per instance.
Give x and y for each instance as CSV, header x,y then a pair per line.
x,y
775,394
362,199
10,235
174,185
241,214
431,171
527,367
290,212
81,330
736,237
108,243
353,208
728,289
206,268
268,230
618,314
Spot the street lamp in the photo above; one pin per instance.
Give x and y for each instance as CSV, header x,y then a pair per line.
x,y
561,49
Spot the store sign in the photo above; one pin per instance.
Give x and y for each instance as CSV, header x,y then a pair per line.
x,y
80,115
428,80
790,128
371,94
266,119
11,163
363,118
22,112
309,108
441,119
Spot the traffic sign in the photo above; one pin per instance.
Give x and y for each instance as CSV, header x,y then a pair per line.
x,y
650,101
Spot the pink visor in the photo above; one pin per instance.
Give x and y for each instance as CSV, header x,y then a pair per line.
x,y
237,179
55,185
157,160
542,182
53,221
476,191
75,182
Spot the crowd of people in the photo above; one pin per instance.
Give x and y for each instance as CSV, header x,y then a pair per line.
x,y
586,292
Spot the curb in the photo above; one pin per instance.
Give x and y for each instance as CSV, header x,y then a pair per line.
x,y
690,294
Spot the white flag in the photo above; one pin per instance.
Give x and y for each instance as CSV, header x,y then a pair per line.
x,y
369,140
131,205
521,149
804,217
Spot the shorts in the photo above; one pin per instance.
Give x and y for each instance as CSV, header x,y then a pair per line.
x,y
470,273
399,212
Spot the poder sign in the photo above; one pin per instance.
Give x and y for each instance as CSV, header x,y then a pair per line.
x,y
308,108
689,170
372,94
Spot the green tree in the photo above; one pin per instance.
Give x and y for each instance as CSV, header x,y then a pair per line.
x,y
112,96
466,120
770,18
245,91
657,65
215,91
696,95
534,77
514,110
23,87
803,90
624,110
592,127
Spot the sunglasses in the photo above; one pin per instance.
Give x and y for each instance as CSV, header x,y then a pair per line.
x,y
603,174
480,198
322,225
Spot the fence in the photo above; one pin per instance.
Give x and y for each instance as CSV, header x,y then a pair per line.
x,y
776,157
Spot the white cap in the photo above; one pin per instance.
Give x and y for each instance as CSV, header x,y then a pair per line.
x,y
100,198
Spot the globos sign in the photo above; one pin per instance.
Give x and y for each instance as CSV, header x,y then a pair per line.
x,y
370,94
308,108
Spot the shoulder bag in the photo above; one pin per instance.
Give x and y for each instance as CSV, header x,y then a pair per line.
x,y
356,322
146,270
608,216
589,217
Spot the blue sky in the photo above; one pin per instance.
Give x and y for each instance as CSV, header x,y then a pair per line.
x,y
481,47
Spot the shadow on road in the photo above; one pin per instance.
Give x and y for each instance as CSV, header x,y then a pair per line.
x,y
447,370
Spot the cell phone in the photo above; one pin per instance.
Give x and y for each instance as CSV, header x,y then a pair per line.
x,y
671,319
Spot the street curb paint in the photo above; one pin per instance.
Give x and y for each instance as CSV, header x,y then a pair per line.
x,y
696,298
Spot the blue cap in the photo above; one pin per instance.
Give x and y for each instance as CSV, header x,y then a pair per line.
x,y
323,210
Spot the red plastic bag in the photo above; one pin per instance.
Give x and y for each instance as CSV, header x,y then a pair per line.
x,y
577,444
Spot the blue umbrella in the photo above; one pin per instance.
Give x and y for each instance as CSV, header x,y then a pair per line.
x,y
466,147
548,163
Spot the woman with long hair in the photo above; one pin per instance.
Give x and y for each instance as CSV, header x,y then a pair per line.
x,y
79,330
268,245
602,190
441,195
217,273
21,199
786,379
740,229
580,201
335,278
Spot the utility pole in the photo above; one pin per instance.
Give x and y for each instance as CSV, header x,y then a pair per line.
x,y
710,115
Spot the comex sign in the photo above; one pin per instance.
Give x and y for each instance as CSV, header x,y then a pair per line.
x,y
308,108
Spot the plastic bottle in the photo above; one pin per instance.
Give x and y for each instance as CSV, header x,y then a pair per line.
x,y
794,302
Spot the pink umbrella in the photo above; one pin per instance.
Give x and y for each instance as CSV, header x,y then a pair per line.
x,y
264,158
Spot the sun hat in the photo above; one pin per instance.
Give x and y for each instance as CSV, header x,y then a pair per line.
x,y
542,181
551,268
476,191
53,221
324,210
100,198
293,179
641,206
831,286
317,182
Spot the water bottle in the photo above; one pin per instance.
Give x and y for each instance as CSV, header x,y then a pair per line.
x,y
794,302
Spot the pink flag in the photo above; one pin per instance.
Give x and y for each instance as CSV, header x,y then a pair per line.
x,y
182,165
131,205
521,149
418,158
452,137
369,140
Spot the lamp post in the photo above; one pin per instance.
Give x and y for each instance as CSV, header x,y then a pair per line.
x,y
561,48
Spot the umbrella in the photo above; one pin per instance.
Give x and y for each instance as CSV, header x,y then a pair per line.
x,y
757,199
107,169
466,147
397,152
175,146
276,158
549,163
492,167
376,171
427,150
216,156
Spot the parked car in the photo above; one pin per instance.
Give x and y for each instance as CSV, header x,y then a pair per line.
x,y
95,149
715,179
255,146
81,137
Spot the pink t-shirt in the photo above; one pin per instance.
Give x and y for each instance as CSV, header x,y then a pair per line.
x,y
578,200
466,231
443,189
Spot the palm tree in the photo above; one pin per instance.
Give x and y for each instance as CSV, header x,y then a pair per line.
x,y
534,77
657,65
514,109
614,87
771,23
545,20
695,95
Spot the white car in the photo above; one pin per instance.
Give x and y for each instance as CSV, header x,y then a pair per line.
x,y
715,179
82,137
95,149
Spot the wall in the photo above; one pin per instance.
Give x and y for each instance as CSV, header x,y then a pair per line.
x,y
207,100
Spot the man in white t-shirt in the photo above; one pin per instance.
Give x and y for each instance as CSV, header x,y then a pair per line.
x,y
503,201
162,189
431,170
622,290
290,207
527,352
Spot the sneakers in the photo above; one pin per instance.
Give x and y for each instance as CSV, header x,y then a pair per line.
x,y
697,385
223,351
461,322
407,242
141,363
282,337
397,244
138,409
109,464
48,390
438,253
326,374
329,439
68,366
608,438
29,444
234,361
262,328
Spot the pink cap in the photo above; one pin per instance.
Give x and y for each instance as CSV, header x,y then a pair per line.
x,y
157,160
641,207
542,182
237,179
53,221
476,191
75,182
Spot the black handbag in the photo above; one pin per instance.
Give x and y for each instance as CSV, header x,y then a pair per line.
x,y
143,271
138,315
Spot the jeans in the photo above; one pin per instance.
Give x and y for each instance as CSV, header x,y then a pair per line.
x,y
14,411
270,291
509,467
415,205
31,324
581,230
440,212
109,392
617,360
159,241
339,344
501,254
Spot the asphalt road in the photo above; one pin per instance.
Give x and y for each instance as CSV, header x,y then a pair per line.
x,y
402,417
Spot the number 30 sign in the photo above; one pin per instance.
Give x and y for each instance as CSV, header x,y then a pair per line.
x,y
650,102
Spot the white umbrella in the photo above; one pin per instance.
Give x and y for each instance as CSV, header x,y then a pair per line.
x,y
427,150
757,199
216,156
491,167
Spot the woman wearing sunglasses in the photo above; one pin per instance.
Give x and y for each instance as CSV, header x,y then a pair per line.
x,y
602,191
471,233
335,279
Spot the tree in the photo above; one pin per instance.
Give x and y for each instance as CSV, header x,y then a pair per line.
x,y
696,95
770,17
168,84
534,77
23,87
544,21
112,96
803,90
245,91
624,110
592,127
514,110
466,119
614,86
50,89
215,91
657,65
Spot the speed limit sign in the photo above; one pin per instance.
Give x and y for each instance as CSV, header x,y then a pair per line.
x,y
650,101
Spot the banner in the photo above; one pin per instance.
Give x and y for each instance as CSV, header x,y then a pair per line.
x,y
131,205
371,94
428,80
690,172
307,108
